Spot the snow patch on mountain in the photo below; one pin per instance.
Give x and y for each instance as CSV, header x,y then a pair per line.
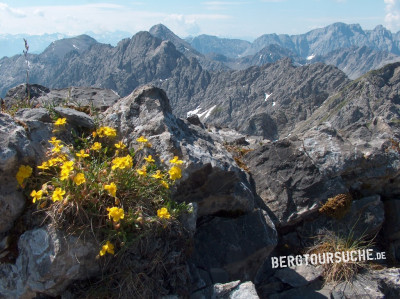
x,y
311,57
196,111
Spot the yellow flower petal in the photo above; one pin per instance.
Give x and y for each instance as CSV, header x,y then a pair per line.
x,y
163,213
141,139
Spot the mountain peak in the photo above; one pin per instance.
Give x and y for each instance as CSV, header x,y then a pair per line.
x,y
63,46
161,30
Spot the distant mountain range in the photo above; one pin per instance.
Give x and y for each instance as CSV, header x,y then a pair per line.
x,y
263,88
13,44
349,47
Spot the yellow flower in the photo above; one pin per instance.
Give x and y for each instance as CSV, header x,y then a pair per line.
x,y
79,179
36,195
68,165
57,148
142,171
82,154
106,131
64,175
45,165
96,146
175,173
176,161
60,122
112,189
116,213
108,247
157,175
66,168
141,139
54,141
149,159
120,145
122,162
55,161
23,173
58,194
163,213
61,158
165,184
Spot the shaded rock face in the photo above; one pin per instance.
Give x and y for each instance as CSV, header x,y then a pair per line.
x,y
295,177
230,246
363,221
288,182
299,276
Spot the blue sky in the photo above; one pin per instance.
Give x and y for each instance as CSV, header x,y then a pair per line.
x,y
235,19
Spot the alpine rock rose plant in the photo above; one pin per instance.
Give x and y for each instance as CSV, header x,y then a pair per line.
x,y
100,185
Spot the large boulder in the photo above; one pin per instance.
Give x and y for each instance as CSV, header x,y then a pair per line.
x,y
289,183
296,175
211,177
48,262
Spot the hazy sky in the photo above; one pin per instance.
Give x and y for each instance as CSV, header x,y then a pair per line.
x,y
241,19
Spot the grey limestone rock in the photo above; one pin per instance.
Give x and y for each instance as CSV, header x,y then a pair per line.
x,y
289,183
76,118
237,247
48,262
363,221
211,177
15,150
230,290
300,275
98,98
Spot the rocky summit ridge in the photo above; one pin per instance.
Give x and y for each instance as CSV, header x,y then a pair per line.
x,y
266,150
253,198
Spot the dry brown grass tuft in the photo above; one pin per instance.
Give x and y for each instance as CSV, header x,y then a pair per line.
x,y
330,242
337,206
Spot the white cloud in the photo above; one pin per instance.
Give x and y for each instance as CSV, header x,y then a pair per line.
x,y
392,17
184,25
100,18
7,10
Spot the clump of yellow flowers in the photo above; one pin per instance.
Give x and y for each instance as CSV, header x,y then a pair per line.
x,y
99,182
